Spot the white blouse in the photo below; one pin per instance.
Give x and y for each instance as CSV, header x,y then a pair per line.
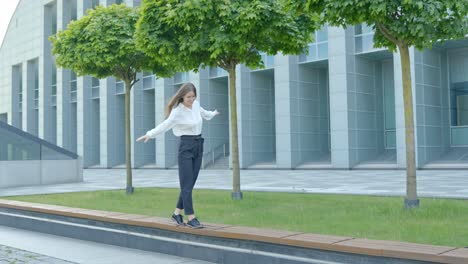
x,y
183,121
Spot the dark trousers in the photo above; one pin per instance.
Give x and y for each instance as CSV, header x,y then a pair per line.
x,y
189,159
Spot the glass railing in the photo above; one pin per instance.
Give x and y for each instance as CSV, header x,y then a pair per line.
x,y
15,144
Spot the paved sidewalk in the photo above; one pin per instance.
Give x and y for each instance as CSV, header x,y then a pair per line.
x,y
431,183
10,255
26,247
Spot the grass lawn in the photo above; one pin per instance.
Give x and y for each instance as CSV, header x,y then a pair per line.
x,y
437,221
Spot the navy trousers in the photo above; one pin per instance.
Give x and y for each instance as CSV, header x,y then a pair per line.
x,y
189,159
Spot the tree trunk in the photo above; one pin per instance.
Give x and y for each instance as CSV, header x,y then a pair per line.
x,y
411,199
128,146
236,192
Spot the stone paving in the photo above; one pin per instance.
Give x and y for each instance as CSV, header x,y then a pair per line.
x,y
10,255
431,183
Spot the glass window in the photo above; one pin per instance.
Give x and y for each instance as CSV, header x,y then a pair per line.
x,y
148,82
363,28
94,3
322,50
268,60
72,81
95,88
322,34
95,82
459,104
119,87
181,77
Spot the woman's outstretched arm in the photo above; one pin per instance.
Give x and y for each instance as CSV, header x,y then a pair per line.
x,y
208,114
167,124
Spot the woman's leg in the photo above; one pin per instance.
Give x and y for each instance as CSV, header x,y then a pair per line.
x,y
196,165
197,160
186,176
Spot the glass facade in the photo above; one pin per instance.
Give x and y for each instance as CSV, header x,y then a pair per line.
x,y
317,50
18,145
181,77
94,88
363,38
268,60
73,87
54,86
459,104
217,72
459,113
36,85
148,80
119,87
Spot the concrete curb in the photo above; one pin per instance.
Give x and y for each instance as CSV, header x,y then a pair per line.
x,y
378,248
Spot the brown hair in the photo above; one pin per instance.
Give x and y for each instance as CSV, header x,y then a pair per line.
x,y
179,96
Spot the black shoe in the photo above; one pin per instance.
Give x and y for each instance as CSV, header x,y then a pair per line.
x,y
178,219
194,223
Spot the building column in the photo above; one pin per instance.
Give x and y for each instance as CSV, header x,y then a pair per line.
x,y
46,124
136,122
341,61
30,79
166,144
83,100
108,131
63,84
285,82
16,83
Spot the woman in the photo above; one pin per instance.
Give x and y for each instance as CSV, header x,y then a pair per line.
x,y
184,115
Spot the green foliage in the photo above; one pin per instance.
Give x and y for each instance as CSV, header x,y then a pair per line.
x,y
102,44
419,23
220,32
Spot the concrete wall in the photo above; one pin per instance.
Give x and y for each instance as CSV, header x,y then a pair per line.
x,y
37,172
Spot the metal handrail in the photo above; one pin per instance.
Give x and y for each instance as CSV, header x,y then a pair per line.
x,y
213,152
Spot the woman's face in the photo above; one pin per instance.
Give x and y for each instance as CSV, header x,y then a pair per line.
x,y
189,98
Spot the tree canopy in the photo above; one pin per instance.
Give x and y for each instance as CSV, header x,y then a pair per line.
x,y
101,44
220,32
418,23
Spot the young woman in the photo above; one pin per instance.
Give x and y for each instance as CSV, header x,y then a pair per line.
x,y
184,115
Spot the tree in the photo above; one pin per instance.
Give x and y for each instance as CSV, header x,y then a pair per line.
x,y
398,24
222,33
101,44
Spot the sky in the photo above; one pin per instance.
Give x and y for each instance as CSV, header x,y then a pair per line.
x,y
7,8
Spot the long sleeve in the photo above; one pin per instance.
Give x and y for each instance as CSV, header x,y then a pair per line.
x,y
206,114
167,124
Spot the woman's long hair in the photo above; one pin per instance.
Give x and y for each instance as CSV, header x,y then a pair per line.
x,y
179,96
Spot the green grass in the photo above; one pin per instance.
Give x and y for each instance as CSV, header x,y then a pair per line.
x,y
437,221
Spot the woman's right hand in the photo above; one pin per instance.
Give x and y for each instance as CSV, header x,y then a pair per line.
x,y
145,138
